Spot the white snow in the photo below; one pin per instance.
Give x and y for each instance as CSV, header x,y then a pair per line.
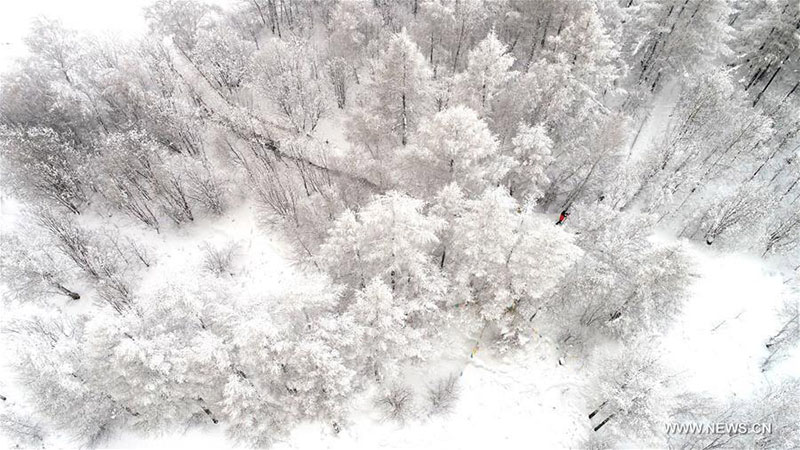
x,y
718,344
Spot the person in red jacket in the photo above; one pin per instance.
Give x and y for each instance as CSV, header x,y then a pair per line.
x,y
562,217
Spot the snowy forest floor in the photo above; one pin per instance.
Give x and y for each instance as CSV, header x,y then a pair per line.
x,y
715,348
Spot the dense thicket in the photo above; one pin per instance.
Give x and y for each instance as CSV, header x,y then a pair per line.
x,y
465,126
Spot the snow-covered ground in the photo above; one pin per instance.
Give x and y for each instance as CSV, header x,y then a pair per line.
x,y
718,345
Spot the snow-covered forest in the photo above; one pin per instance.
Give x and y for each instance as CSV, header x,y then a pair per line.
x,y
456,223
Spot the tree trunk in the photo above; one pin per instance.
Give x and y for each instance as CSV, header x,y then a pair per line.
x,y
206,410
605,421
772,78
71,294
404,122
597,410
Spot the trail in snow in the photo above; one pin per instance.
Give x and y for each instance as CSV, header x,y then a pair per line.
x,y
656,121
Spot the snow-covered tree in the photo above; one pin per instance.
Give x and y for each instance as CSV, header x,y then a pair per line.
x,y
488,70
340,74
380,322
391,239
54,367
21,428
224,57
159,358
33,269
784,233
678,38
469,17
787,336
714,136
455,146
42,165
735,211
434,24
632,398
765,39
623,286
139,177
354,26
56,46
293,361
496,256
531,148
291,77
400,84
181,20
384,255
